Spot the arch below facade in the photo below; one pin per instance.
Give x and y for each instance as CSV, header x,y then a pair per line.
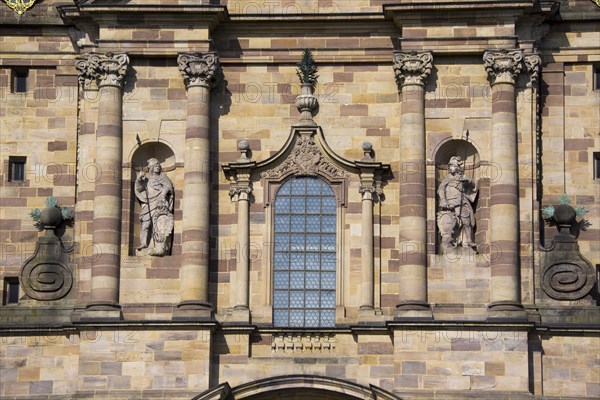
x,y
297,387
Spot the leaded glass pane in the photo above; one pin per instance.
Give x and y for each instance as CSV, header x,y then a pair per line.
x,y
327,299
328,204
312,299
312,261
281,279
312,280
327,318
298,223
298,205
297,299
285,188
328,242
328,222
328,280
282,223
297,318
282,205
280,317
281,260
305,254
313,205
297,280
312,242
298,186
313,223
311,318
280,299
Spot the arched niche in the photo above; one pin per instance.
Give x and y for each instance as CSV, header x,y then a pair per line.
x,y
472,168
138,162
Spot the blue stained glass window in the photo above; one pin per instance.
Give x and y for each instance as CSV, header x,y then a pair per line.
x,y
304,278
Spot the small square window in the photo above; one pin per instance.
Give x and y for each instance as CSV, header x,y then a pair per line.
x,y
16,169
19,81
597,166
11,291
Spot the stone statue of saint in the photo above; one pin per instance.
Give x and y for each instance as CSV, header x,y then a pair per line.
x,y
155,192
456,218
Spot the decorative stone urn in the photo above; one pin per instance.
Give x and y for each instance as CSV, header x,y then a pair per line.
x,y
306,104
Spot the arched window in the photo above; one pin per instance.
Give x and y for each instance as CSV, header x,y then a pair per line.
x,y
304,258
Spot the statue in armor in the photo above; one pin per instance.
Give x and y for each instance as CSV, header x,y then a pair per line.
x,y
456,218
155,192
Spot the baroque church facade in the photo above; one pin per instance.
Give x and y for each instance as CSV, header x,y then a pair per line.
x,y
303,199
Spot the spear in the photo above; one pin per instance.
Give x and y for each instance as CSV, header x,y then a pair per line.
x,y
139,143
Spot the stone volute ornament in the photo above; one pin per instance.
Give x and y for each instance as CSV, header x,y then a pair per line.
x,y
107,69
503,66
533,63
198,69
566,274
412,68
307,102
46,274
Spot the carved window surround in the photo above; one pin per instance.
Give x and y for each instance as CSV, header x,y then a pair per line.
x,y
305,153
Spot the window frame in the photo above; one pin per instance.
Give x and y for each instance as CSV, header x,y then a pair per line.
x,y
339,185
320,252
10,282
20,80
13,161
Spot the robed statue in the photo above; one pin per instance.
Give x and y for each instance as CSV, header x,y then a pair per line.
x,y
155,192
455,217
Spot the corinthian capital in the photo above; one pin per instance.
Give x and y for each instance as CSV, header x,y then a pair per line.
x,y
107,69
503,66
412,68
533,63
198,69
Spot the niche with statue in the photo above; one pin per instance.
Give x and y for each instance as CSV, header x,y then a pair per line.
x,y
152,200
457,188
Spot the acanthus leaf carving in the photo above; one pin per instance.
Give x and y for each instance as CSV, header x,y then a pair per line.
x,y
305,159
198,69
503,66
412,68
107,69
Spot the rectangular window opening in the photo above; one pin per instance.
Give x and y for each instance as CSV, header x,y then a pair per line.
x,y
597,166
16,168
19,80
11,291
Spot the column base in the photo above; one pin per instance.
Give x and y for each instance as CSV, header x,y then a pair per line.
x,y
369,314
192,310
413,310
101,311
506,311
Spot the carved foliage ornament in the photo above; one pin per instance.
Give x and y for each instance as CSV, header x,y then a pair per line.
x,y
20,6
412,68
305,159
106,69
198,69
533,63
503,66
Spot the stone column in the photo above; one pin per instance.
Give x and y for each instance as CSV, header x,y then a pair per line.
x,y
412,70
198,72
109,72
503,68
